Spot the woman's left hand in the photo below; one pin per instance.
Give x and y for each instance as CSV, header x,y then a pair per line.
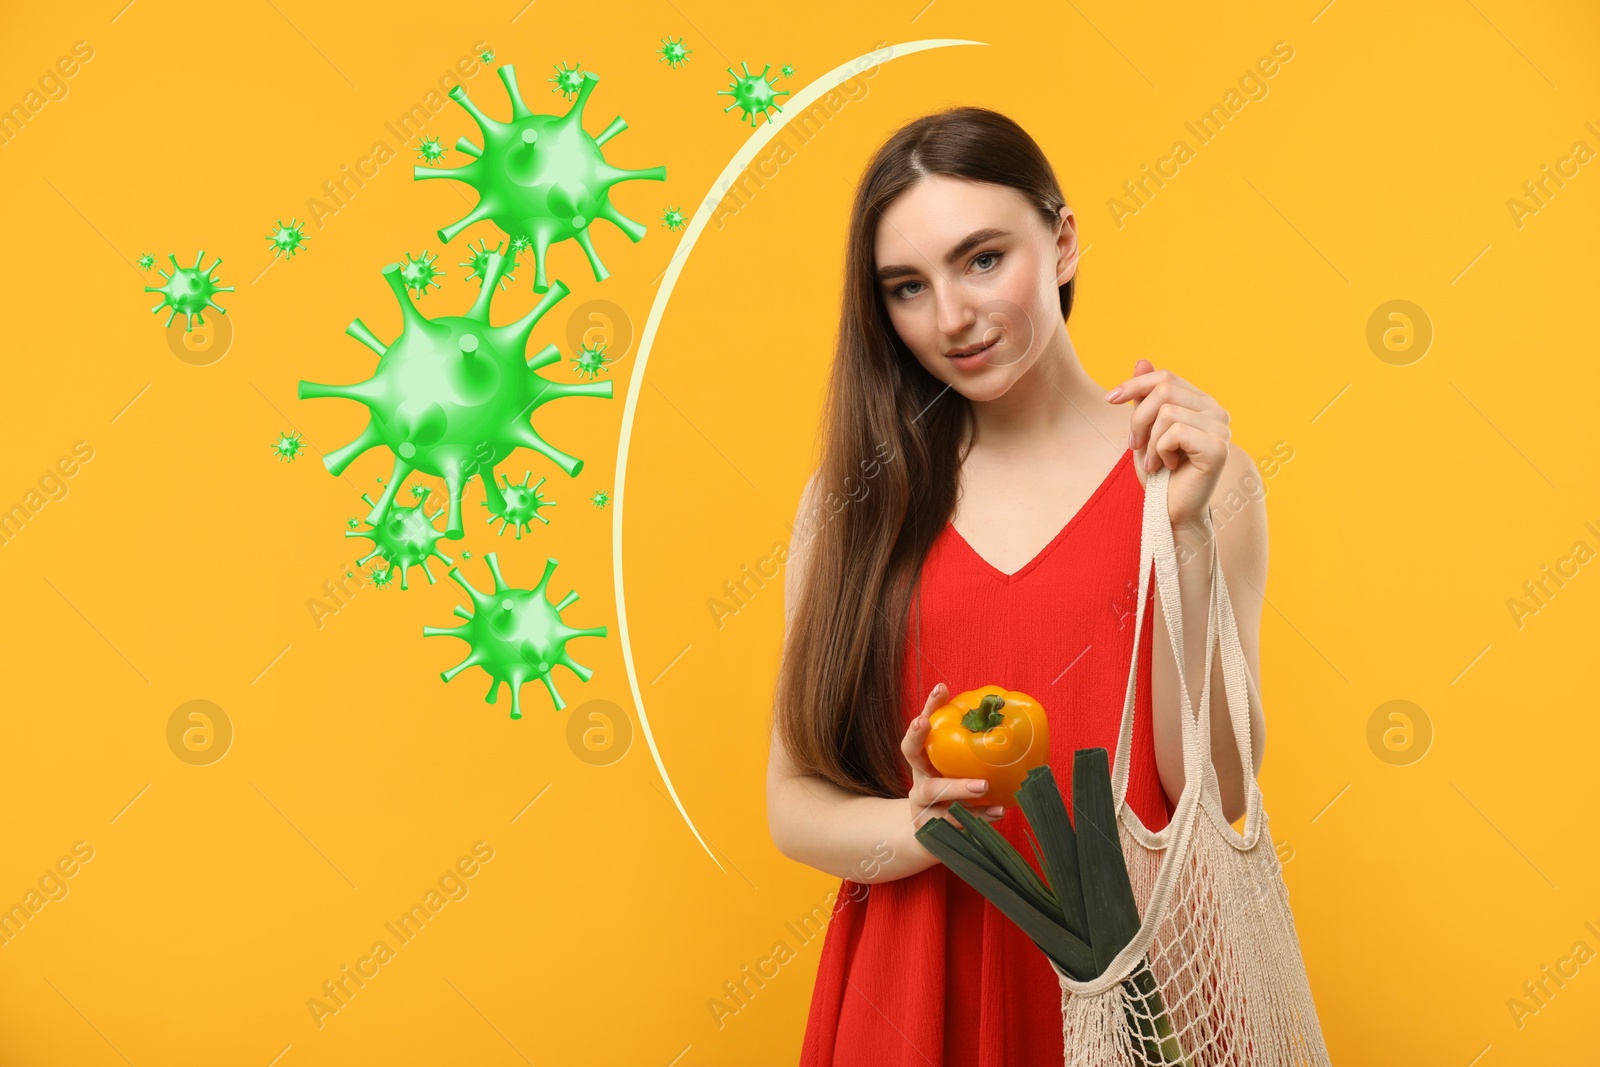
x,y
1177,426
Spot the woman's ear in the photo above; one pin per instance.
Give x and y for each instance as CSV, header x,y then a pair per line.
x,y
1066,247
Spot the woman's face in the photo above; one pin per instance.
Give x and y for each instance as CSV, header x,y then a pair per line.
x,y
963,265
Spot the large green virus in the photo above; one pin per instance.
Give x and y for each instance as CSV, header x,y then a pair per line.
x,y
541,176
188,291
752,93
516,635
405,538
452,396
522,506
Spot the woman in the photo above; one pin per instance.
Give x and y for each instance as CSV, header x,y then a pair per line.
x,y
976,519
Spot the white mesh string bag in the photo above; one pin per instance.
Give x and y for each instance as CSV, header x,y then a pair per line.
x,y
1216,934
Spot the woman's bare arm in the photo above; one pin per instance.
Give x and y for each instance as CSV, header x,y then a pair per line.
x,y
862,838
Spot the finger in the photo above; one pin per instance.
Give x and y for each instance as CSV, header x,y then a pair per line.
x,y
913,746
1147,408
1123,390
930,792
1167,389
1181,440
1170,415
1146,378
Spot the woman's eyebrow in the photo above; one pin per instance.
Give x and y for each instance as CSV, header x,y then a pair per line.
x,y
967,244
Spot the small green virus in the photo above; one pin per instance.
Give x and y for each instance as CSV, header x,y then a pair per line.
x,y
287,239
568,80
592,360
516,635
287,446
466,555
431,149
522,506
478,260
753,94
601,498
146,261
380,577
418,274
673,219
787,70
487,55
352,523
405,538
541,176
188,291
452,396
419,491
519,245
673,54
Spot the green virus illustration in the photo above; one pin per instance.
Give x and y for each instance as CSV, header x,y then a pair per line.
x,y
541,176
673,219
601,498
287,240
452,396
478,260
146,261
516,635
673,54
352,523
418,274
380,577
519,245
287,446
522,506
787,70
466,555
487,55
568,80
753,94
591,360
419,491
188,291
431,149
405,538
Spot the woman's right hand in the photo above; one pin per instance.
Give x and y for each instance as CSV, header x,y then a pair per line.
x,y
931,795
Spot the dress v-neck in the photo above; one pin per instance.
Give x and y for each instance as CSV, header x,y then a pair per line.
x,y
1061,534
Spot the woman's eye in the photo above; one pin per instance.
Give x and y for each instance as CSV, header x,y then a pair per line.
x,y
900,290
987,255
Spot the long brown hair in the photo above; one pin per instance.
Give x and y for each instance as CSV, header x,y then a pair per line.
x,y
887,481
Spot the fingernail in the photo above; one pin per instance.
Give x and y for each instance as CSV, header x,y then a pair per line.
x,y
997,810
978,787
1114,393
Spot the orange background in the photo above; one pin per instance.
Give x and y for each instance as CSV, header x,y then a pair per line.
x,y
181,561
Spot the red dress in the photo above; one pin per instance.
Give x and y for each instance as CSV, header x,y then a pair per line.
x,y
924,971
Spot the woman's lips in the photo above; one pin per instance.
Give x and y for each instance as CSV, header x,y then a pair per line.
x,y
975,359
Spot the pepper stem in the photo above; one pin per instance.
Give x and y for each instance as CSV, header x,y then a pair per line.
x,y
986,716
